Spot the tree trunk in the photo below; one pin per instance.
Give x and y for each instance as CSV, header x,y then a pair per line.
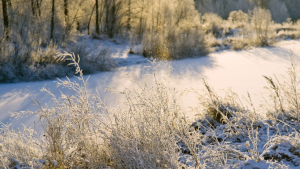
x,y
113,20
38,5
107,15
5,18
101,11
129,16
88,27
97,17
33,9
52,19
66,12
9,4
141,20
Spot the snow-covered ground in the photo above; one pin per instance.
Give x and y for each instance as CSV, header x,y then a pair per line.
x,y
240,70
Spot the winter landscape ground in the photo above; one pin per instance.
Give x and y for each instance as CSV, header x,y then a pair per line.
x,y
239,70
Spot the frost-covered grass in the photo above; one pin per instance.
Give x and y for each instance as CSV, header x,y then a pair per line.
x,y
31,60
151,130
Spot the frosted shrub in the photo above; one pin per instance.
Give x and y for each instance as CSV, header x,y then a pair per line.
x,y
241,42
257,29
145,133
93,59
212,24
176,44
238,18
29,60
156,46
19,148
70,138
175,34
261,22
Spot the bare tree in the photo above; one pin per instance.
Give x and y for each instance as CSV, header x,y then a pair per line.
x,y
33,7
129,16
66,12
113,16
38,4
141,18
97,17
5,18
52,19
88,26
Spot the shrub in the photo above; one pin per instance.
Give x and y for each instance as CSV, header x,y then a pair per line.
x,y
261,24
94,59
176,44
238,18
257,31
70,138
212,24
156,46
19,147
144,133
30,60
240,43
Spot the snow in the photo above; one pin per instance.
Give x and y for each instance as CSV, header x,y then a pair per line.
x,y
240,70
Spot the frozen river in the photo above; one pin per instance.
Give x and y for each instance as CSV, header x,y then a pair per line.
x,y
240,70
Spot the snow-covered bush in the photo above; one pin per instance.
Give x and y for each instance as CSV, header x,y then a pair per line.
x,y
177,34
19,148
176,44
212,23
30,60
257,29
238,18
240,43
70,138
261,22
93,59
145,133
27,60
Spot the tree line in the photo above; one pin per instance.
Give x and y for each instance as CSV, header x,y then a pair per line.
x,y
58,18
